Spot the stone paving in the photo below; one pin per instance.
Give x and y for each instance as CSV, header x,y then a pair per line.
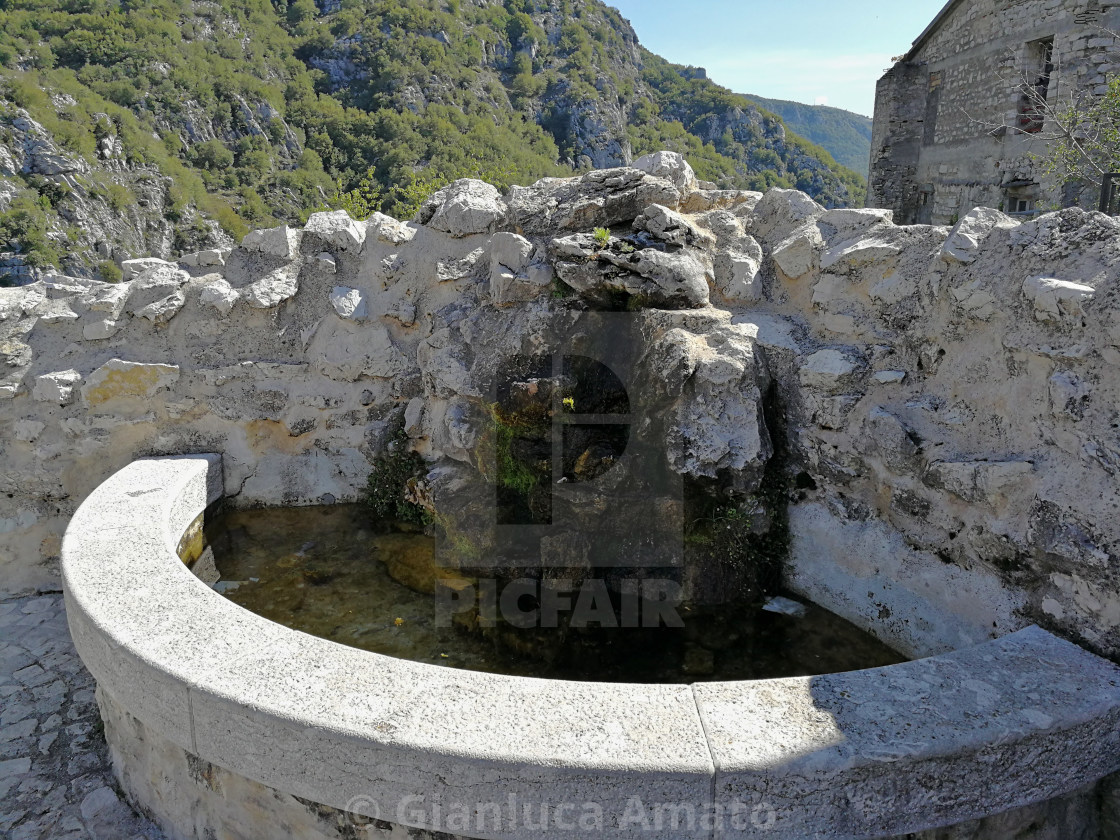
x,y
55,777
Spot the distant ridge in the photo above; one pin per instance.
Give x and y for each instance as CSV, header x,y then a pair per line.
x,y
844,134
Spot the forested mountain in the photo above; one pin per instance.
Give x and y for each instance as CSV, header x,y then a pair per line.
x,y
846,135
160,126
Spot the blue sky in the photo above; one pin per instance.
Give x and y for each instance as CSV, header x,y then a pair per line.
x,y
828,52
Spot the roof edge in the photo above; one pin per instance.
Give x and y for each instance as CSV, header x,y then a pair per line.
x,y
920,41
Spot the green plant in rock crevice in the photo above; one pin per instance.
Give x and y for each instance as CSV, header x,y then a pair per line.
x,y
388,481
511,473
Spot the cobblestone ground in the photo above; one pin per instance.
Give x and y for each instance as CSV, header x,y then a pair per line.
x,y
55,778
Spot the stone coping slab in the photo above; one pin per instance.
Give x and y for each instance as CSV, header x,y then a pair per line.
x,y
869,753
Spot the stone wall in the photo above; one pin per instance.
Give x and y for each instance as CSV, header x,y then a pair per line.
x,y
958,91
947,398
897,141
217,803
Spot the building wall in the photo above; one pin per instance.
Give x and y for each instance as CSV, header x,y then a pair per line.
x,y
945,137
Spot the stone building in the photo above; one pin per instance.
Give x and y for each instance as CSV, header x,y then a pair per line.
x,y
953,127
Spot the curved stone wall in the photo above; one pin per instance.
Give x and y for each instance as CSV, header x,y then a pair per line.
x,y
1022,719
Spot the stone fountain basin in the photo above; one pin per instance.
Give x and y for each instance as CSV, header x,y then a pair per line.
x,y
924,744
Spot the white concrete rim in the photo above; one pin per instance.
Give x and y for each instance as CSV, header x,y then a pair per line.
x,y
391,739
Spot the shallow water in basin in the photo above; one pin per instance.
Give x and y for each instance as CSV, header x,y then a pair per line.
x,y
331,572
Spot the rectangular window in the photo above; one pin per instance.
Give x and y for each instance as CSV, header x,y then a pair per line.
x,y
1036,85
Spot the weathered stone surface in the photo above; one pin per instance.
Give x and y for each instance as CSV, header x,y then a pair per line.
x,y
120,379
968,235
738,273
350,303
671,280
598,199
514,277
464,208
219,294
110,298
703,200
212,257
895,442
131,269
443,367
975,300
57,387
718,423
100,328
164,309
780,212
860,252
387,229
667,225
510,251
829,370
979,481
856,221
799,254
890,377
28,430
1056,300
281,241
325,262
836,733
157,293
274,288
352,352
336,228
672,167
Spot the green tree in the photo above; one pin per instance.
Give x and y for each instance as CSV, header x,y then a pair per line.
x,y
212,155
1084,140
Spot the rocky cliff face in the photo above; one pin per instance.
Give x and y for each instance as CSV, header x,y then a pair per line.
x,y
914,425
261,114
85,215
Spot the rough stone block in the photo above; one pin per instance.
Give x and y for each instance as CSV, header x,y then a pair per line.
x,y
120,379
337,229
219,294
464,208
672,167
274,288
350,303
134,268
1056,300
828,370
281,241
56,387
800,253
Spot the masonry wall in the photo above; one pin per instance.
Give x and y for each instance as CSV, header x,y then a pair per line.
x,y
959,93
950,397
